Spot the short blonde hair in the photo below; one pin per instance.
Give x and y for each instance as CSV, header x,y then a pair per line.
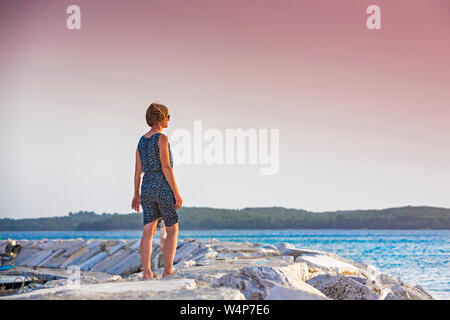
x,y
155,113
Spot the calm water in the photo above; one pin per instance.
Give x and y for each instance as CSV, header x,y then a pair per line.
x,y
416,256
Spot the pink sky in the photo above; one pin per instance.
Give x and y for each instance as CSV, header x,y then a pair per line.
x,y
363,114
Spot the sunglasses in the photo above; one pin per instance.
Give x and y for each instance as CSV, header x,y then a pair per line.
x,y
168,117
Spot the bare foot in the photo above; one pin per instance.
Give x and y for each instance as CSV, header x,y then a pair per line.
x,y
148,275
165,274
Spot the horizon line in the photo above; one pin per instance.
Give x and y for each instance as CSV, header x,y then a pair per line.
x,y
237,209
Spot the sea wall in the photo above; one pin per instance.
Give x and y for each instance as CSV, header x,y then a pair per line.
x,y
111,269
110,256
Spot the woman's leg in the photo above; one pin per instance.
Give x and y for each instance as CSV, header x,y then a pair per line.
x,y
170,246
146,248
162,236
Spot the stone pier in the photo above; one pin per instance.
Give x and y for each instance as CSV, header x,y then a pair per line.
x,y
111,269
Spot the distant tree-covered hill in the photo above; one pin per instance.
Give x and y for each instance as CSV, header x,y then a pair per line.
x,y
198,218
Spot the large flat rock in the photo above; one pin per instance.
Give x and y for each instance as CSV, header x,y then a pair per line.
x,y
111,260
130,264
302,291
48,274
255,282
341,287
329,264
120,289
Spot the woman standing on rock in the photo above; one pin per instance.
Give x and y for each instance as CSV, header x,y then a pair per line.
x,y
159,194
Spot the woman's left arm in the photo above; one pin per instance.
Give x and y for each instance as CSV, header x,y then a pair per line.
x,y
137,182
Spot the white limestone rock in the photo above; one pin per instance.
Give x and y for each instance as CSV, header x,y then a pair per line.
x,y
56,261
65,281
92,251
89,263
46,262
243,249
203,254
31,256
203,293
129,265
111,249
285,245
328,264
250,254
45,244
134,276
111,261
301,292
33,244
400,290
76,246
119,290
25,255
134,245
92,243
340,287
185,249
286,248
39,258
250,280
49,274
267,246
184,264
82,250
205,274
357,269
70,243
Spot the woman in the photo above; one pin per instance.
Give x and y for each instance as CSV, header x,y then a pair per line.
x,y
159,194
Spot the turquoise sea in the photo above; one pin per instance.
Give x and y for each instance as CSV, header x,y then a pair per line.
x,y
416,256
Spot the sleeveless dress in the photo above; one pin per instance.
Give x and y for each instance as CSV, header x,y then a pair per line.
x,y
157,198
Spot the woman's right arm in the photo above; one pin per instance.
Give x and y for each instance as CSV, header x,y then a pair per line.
x,y
163,144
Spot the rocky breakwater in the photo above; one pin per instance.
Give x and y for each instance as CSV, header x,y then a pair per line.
x,y
111,269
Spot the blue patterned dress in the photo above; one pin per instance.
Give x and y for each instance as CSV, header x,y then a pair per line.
x,y
157,198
